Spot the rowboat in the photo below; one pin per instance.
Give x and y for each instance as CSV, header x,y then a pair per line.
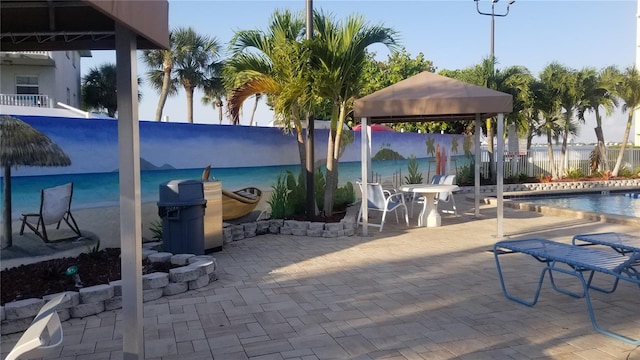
x,y
236,204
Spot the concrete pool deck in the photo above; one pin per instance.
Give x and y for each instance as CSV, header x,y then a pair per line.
x,y
404,293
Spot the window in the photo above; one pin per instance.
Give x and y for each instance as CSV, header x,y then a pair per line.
x,y
27,84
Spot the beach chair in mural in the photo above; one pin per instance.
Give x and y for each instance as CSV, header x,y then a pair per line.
x,y
579,262
383,201
35,342
55,207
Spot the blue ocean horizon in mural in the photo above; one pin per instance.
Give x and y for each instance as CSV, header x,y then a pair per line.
x,y
240,156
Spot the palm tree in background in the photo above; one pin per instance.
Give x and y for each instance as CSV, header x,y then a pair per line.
x,y
99,89
568,85
160,76
549,108
338,57
599,92
194,59
214,90
629,91
255,107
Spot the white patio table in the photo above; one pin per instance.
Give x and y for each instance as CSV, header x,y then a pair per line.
x,y
429,215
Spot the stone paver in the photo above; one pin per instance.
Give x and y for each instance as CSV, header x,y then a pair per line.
x,y
405,293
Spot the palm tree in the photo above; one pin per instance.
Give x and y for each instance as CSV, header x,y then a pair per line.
x,y
99,89
255,107
599,91
548,106
629,91
195,57
339,56
160,75
214,92
271,63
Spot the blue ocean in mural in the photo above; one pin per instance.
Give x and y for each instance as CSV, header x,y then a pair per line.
x,y
102,189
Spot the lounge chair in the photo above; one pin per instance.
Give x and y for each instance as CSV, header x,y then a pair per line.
x,y
575,261
55,206
383,201
32,344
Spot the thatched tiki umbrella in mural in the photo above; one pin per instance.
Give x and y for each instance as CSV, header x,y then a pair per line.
x,y
22,145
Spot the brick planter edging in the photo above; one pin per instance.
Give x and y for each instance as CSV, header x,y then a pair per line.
x,y
198,271
558,186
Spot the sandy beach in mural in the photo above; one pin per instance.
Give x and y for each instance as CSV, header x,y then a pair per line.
x,y
101,223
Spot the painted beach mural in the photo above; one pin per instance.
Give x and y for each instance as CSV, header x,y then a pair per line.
x,y
239,156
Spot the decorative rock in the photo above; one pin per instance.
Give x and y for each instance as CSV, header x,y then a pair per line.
x,y
152,294
317,226
96,294
181,259
1,313
114,303
200,282
21,309
14,326
213,277
73,299
160,257
146,252
283,230
227,235
84,310
315,233
237,232
330,233
154,280
175,288
183,274
250,229
201,258
64,314
117,287
298,232
334,226
349,232
204,267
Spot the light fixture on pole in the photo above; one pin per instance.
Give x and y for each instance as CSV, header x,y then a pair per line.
x,y
493,15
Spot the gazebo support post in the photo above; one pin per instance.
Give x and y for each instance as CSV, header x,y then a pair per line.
x,y
130,212
365,157
500,176
478,157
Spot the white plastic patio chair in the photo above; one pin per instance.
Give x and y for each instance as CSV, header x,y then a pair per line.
x,y
35,343
55,206
383,201
447,197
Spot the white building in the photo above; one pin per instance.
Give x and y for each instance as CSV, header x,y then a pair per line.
x,y
40,79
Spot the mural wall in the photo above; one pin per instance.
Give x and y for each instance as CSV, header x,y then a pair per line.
x,y
240,156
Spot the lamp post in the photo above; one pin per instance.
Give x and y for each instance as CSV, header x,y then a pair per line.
x,y
493,15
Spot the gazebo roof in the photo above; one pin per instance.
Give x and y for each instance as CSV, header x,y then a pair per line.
x,y
80,24
431,97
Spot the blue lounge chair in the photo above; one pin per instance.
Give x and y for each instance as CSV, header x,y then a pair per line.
x,y
574,261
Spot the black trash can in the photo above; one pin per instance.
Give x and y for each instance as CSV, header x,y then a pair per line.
x,y
181,208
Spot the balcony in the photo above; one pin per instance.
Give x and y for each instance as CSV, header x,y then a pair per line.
x,y
26,100
27,58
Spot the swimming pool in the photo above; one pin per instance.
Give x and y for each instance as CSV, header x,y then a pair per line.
x,y
624,204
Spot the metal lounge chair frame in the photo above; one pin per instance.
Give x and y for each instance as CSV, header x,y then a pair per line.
x,y
55,206
383,201
574,261
32,343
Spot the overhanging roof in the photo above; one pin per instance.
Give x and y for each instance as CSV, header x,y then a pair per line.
x,y
431,97
80,24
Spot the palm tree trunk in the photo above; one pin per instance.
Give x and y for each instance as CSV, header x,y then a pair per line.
x,y
563,153
552,163
332,171
255,107
219,105
604,164
7,240
189,92
164,93
625,138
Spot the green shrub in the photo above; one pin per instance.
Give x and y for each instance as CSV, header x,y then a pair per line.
x,y
575,174
279,197
625,172
345,196
156,230
415,176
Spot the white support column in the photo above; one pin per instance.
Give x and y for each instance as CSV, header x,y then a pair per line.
x,y
476,170
636,113
366,161
500,174
130,213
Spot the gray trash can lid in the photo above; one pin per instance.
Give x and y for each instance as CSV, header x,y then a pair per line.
x,y
181,192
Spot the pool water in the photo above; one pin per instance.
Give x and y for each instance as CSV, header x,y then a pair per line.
x,y
626,204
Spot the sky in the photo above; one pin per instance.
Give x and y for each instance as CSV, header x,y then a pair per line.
x,y
450,33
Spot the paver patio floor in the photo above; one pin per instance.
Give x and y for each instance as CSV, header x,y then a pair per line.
x,y
404,293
